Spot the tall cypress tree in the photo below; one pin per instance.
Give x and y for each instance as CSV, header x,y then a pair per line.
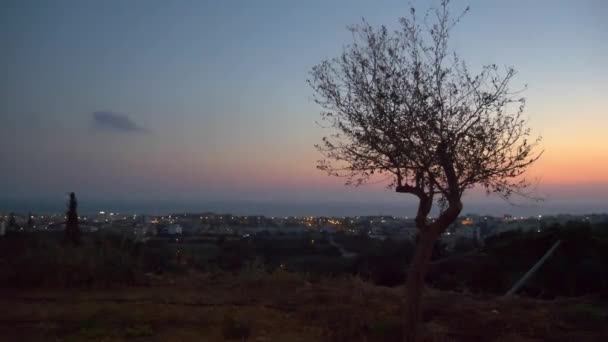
x,y
12,222
72,229
30,222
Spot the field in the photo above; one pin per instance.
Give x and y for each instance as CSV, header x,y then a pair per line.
x,y
253,305
283,288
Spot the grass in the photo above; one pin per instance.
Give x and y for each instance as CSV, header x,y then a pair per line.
x,y
112,290
284,307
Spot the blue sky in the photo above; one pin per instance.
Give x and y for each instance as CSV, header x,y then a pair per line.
x,y
217,93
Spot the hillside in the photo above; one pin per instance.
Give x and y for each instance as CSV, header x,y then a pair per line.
x,y
284,307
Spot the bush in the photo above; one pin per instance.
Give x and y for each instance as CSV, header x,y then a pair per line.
x,y
233,255
45,261
578,267
385,262
322,265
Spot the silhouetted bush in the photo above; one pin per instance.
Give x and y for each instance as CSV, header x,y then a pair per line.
x,y
322,265
102,259
578,267
385,262
40,260
233,255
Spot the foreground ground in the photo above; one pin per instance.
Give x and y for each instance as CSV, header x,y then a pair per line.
x,y
284,307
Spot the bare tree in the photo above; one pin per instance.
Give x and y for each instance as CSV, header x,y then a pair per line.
x,y
401,105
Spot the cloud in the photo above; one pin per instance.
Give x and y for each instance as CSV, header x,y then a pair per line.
x,y
116,122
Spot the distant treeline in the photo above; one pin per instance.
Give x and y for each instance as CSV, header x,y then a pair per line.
x,y
578,267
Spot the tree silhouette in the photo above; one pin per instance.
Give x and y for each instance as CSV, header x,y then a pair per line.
x,y
30,221
12,222
402,106
72,229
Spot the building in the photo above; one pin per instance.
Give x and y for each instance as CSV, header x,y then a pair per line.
x,y
174,229
468,232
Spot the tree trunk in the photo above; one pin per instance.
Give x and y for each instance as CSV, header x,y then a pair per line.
x,y
415,283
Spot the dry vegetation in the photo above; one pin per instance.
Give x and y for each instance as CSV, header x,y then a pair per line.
x,y
256,306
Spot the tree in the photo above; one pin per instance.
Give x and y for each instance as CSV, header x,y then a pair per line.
x,y
404,107
12,222
30,221
72,228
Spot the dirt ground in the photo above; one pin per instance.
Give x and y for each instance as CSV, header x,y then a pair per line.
x,y
285,307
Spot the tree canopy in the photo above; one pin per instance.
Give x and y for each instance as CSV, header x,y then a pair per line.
x,y
403,105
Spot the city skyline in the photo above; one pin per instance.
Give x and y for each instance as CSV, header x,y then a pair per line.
x,y
209,101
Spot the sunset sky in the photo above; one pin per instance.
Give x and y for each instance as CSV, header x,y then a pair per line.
x,y
208,100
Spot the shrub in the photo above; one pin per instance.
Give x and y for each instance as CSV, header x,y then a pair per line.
x,y
44,261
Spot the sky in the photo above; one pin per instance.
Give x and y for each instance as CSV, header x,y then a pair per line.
x,y
208,100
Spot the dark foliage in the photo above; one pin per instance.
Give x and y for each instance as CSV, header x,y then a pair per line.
x,y
72,227
12,222
32,260
578,267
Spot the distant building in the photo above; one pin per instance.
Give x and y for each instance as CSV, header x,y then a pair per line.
x,y
145,220
469,232
174,229
467,221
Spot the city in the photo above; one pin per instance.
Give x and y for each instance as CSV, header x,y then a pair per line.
x,y
189,226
